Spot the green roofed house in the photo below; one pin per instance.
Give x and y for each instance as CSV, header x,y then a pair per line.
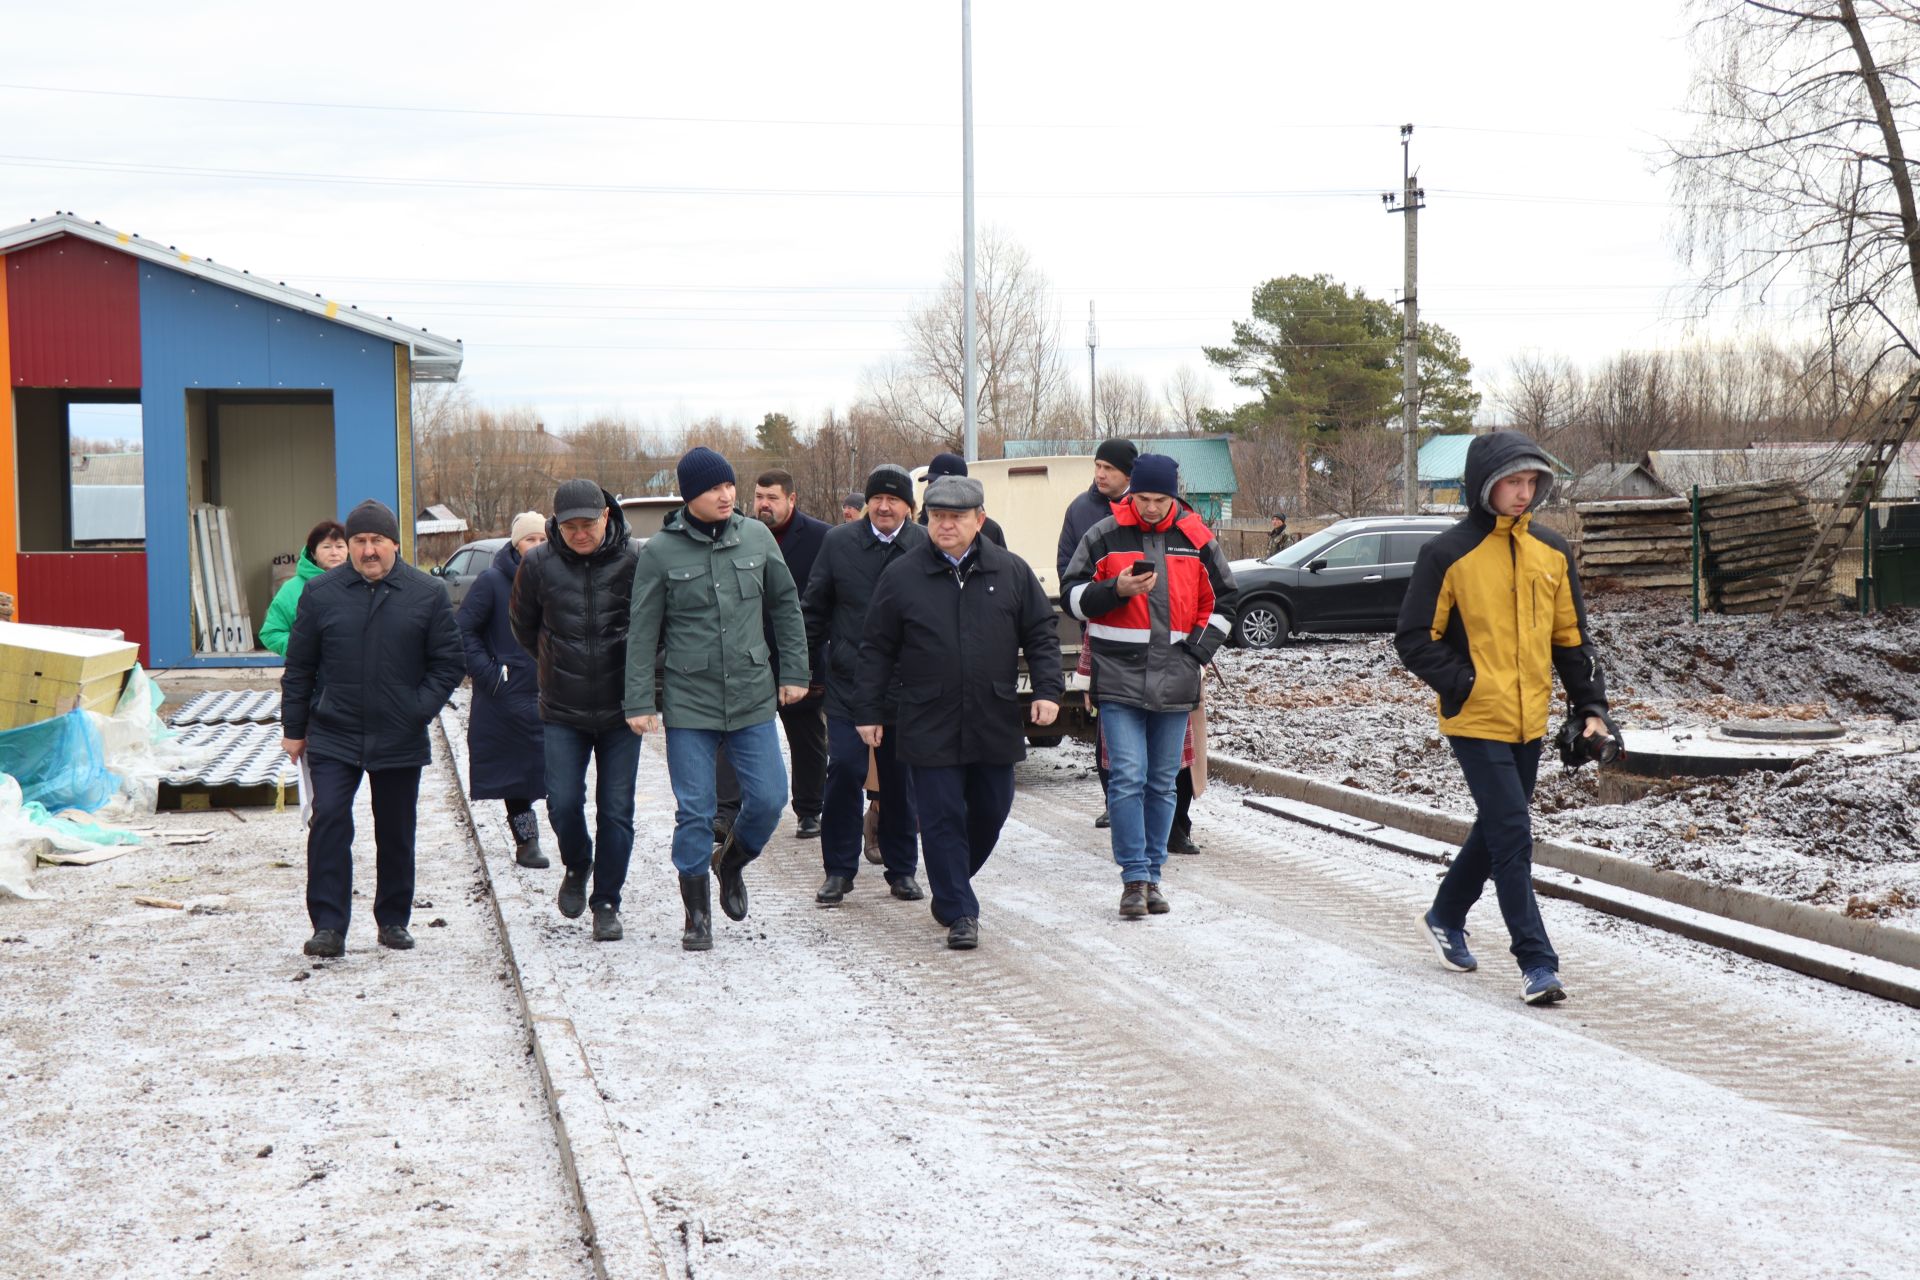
x,y
1443,469
1206,466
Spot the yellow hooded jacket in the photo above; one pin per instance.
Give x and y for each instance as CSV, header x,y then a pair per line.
x,y
1494,609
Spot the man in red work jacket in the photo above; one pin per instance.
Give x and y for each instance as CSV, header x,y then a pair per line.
x,y
1153,586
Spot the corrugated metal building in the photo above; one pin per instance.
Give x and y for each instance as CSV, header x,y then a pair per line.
x,y
284,407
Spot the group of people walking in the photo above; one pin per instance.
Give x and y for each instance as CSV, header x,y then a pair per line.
x,y
889,648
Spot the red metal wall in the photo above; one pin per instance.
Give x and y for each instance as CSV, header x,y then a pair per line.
x,y
74,316
87,589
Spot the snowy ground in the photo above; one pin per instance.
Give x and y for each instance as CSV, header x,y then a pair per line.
x,y
1274,1080
183,1094
1840,834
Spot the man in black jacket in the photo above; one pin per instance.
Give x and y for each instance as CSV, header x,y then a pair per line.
x,y
1112,473
372,657
571,600
835,607
799,537
946,629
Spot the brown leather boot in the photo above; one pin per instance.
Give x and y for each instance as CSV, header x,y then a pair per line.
x,y
1156,901
1133,900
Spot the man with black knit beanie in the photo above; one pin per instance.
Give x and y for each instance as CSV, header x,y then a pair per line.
x,y
952,464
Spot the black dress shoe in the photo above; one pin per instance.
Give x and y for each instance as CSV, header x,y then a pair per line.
x,y
1157,904
833,891
606,925
326,943
906,888
395,937
809,829
696,892
729,864
964,935
573,891
1103,821
1180,842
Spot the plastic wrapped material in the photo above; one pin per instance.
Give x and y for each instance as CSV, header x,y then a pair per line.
x,y
59,763
140,749
28,833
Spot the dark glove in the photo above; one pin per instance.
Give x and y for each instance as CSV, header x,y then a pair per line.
x,y
1576,748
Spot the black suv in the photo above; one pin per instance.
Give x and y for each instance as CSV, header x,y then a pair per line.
x,y
1350,576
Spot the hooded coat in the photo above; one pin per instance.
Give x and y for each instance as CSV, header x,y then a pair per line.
x,y
570,612
1494,610
286,601
505,745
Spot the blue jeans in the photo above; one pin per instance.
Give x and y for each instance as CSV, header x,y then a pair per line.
x,y
755,753
843,812
616,757
962,808
1143,757
1500,847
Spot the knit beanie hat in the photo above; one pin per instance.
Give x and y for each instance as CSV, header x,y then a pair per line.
x,y
701,469
854,501
373,517
1118,454
946,464
1154,473
891,479
525,523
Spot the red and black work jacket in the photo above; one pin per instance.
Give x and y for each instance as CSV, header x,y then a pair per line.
x,y
1148,649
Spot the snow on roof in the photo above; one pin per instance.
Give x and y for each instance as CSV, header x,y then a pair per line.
x,y
435,359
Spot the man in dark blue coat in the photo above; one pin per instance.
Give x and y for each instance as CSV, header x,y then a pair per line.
x,y
373,655
799,536
835,607
506,750
945,632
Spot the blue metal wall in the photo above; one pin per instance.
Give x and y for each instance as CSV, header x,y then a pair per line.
x,y
196,335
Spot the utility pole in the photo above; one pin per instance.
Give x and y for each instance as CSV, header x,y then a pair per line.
x,y
1093,383
970,392
1412,199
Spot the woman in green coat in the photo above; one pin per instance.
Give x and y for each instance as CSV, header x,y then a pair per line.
x,y
326,549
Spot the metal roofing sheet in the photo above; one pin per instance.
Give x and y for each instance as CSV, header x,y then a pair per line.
x,y
75,316
244,755
229,706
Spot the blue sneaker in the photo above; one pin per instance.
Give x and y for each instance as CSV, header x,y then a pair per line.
x,y
1542,986
1450,943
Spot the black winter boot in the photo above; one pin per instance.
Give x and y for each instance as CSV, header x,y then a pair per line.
x,y
696,893
526,840
729,862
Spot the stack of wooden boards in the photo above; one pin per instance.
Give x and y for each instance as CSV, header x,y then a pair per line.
x,y
219,601
1751,537
47,672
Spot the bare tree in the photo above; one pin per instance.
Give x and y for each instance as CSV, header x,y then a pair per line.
x,y
1797,171
1186,394
1127,405
1354,472
1541,395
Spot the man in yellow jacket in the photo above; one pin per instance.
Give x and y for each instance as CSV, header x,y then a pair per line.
x,y
1494,610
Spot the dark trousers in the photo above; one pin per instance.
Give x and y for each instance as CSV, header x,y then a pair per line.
x,y
615,754
1183,803
843,816
806,725
396,793
962,809
1500,847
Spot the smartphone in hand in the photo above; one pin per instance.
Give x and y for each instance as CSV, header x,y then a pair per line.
x,y
1141,568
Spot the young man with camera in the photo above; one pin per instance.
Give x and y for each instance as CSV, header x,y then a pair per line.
x,y
1494,610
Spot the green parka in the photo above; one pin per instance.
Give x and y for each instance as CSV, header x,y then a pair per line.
x,y
286,601
703,603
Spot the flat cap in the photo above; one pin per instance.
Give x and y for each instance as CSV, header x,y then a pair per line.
x,y
955,493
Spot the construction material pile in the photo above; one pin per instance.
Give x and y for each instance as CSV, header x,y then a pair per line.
x,y
48,671
1752,538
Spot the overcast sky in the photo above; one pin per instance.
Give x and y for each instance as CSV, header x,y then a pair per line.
x,y
675,210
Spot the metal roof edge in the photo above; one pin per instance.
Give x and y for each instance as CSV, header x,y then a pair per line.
x,y
435,359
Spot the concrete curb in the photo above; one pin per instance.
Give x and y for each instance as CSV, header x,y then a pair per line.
x,y
610,1203
1889,944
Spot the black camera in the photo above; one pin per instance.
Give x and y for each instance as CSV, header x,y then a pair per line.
x,y
1577,749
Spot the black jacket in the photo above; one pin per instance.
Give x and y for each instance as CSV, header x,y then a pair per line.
x,y
369,665
801,550
1084,512
835,605
949,639
570,611
504,742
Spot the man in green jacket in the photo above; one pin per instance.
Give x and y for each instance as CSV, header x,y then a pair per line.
x,y
702,591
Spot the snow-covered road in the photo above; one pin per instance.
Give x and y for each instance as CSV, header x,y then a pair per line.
x,y
1274,1080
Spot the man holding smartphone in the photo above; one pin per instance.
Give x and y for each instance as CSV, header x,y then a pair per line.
x,y
1152,584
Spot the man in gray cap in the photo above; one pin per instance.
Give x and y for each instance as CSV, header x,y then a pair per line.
x,y
569,610
372,656
945,631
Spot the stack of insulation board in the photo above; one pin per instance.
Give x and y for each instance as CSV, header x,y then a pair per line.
x,y
1752,537
1645,542
47,672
